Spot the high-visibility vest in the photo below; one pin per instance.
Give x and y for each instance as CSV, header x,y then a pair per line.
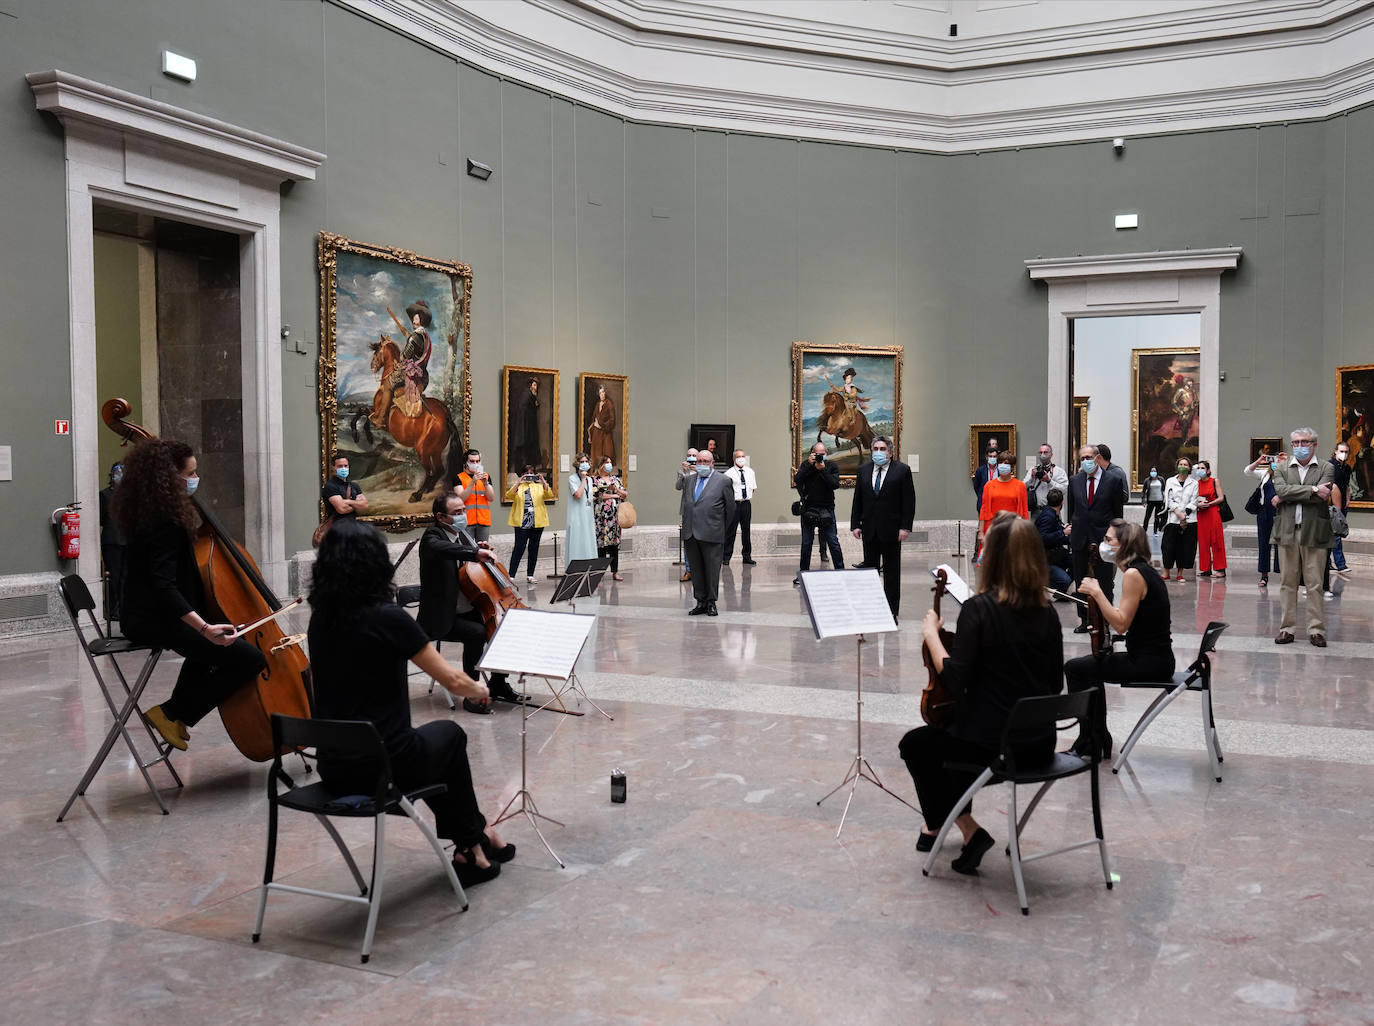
x,y
479,509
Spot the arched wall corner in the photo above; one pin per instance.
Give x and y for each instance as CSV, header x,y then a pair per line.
x,y
129,151
1131,284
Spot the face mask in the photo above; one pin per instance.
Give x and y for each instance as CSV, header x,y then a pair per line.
x,y
991,460
1003,469
1045,458
1087,466
1154,473
1199,473
192,483
739,462
1106,552
1182,470
474,468
879,458
584,466
117,477
1302,452
607,467
704,469
343,473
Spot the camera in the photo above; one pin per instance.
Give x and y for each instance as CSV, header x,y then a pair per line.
x,y
817,457
691,461
1271,460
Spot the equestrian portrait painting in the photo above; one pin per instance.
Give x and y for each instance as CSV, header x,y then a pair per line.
x,y
394,389
845,396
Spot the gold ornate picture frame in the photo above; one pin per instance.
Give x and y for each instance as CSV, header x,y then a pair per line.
x,y
603,418
394,386
1355,427
827,398
529,425
1165,409
978,435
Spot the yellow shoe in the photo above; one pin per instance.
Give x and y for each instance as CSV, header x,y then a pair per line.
x,y
172,731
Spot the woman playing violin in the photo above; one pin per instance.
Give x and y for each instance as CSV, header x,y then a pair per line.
x,y
1143,617
1009,646
360,641
164,597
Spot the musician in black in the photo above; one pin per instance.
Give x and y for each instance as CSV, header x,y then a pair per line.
x,y
360,642
1142,617
446,614
164,599
1009,645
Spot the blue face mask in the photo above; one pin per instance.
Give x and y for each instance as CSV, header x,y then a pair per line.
x,y
1199,473
117,476
1302,453
1087,466
192,483
584,466
704,470
1154,473
1003,469
343,473
879,457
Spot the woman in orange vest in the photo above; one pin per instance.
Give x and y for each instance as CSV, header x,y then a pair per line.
x,y
474,488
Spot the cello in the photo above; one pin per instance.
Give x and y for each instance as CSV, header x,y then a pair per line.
x,y
237,593
938,706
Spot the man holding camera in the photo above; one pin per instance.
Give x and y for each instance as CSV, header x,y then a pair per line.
x,y
1043,476
816,480
474,488
687,472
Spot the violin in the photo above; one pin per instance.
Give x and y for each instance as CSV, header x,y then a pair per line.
x,y
938,706
237,593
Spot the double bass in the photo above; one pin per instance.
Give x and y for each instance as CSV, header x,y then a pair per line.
x,y
1099,630
488,586
938,706
237,594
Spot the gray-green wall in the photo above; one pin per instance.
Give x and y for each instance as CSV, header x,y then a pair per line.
x,y
689,260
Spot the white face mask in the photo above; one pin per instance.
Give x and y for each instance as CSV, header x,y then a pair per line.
x,y
1106,552
474,468
739,461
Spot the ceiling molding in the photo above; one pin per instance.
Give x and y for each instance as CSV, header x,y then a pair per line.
x,y
1248,63
72,98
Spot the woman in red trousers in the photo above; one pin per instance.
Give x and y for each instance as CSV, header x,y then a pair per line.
x,y
1211,542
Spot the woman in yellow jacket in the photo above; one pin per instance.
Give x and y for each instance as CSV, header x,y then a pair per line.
x,y
528,517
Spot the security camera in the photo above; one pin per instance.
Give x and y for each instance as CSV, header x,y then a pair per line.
x,y
1119,145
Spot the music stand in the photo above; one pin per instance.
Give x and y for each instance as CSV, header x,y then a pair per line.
x,y
535,643
843,603
580,580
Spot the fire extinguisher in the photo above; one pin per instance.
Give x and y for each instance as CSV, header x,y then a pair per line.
x,y
66,527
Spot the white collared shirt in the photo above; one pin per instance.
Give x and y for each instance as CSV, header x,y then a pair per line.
x,y
742,478
1302,479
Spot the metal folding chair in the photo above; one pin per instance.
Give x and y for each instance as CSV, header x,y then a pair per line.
x,y
97,645
408,597
355,739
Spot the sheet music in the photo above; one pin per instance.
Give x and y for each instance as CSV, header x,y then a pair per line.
x,y
955,586
844,602
537,642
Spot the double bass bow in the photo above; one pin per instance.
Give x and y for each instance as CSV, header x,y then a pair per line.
x,y
237,593
938,706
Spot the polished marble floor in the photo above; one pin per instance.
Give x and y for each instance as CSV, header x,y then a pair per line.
x,y
719,892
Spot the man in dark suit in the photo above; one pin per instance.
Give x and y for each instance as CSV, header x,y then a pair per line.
x,y
1056,539
708,506
884,507
446,614
1097,496
984,472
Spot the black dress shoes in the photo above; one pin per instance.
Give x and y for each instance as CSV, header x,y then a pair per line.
x,y
501,691
697,610
1082,628
474,706
924,841
711,609
751,562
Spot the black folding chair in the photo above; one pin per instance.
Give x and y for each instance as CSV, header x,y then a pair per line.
x,y
1198,677
1030,717
408,597
98,645
351,739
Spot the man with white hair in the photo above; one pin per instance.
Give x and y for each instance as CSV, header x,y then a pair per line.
x,y
1302,484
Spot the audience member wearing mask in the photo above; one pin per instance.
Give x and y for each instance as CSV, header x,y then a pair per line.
x,y
474,488
1002,492
1261,504
1043,475
1211,538
1153,493
1178,545
581,533
1340,468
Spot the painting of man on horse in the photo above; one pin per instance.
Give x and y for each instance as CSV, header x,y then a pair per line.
x,y
845,396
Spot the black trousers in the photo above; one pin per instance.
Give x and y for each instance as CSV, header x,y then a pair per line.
x,y
1178,545
1089,672
927,751
1106,576
523,537
613,553
744,515
437,754
1155,510
469,630
210,673
1265,527
886,553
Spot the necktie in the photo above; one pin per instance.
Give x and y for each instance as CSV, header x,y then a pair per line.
x,y
701,483
878,480
743,485
1092,489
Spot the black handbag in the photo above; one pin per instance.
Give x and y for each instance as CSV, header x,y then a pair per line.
x,y
1255,503
1226,515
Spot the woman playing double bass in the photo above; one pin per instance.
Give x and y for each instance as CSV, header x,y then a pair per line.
x,y
164,597
1143,617
1009,645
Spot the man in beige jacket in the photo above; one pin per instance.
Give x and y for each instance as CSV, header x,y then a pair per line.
x,y
1303,532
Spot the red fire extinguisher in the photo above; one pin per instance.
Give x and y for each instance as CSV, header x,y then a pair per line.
x,y
66,523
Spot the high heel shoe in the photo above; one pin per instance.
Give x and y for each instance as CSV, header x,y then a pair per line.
x,y
1083,748
469,872
495,854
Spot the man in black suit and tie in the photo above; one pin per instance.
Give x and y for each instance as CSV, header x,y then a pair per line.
x,y
446,614
884,507
1097,496
708,506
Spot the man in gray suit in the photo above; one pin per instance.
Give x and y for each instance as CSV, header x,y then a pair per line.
x,y
708,506
1303,532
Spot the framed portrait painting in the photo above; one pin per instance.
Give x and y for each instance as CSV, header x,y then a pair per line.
x,y
1164,409
719,438
845,395
529,435
981,435
1268,445
1354,426
1078,426
603,402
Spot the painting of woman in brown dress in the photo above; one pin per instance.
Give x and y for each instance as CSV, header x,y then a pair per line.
x,y
601,430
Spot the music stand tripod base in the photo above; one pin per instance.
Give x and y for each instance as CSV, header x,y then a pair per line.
x,y
859,767
527,807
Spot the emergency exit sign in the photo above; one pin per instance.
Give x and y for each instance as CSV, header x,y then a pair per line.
x,y
62,427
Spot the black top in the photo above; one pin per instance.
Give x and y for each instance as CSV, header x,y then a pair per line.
x,y
817,485
1051,528
1000,655
359,669
338,486
162,582
1149,631
109,530
1341,478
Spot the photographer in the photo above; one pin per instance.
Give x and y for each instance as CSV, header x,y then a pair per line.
x,y
816,480
529,517
1043,476
474,488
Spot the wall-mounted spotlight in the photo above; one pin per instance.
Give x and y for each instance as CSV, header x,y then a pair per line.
x,y
478,170
174,65
1118,146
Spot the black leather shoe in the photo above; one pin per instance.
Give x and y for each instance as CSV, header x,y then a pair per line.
x,y
864,566
480,708
711,609
978,846
750,562
925,841
501,691
697,610
1082,628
